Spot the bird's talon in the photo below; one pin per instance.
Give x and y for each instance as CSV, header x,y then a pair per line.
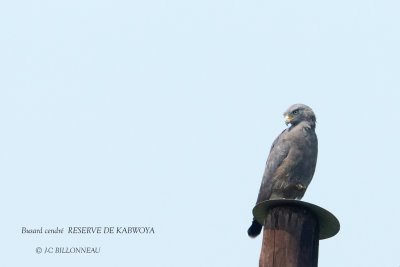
x,y
301,187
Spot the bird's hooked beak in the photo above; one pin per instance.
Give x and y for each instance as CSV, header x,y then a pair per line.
x,y
288,119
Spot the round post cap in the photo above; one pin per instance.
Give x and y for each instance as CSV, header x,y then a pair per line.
x,y
328,224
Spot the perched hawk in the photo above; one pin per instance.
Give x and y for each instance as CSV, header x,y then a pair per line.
x,y
291,161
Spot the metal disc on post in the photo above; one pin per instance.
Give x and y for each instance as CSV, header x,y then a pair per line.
x,y
328,224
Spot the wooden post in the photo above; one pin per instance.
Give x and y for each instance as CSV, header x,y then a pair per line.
x,y
292,230
291,238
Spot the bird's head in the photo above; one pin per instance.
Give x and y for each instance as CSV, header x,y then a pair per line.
x,y
298,113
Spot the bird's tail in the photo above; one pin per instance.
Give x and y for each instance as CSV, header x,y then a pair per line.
x,y
255,229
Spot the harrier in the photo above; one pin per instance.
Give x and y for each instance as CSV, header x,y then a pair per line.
x,y
291,161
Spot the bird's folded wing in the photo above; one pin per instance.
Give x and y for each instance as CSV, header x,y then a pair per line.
x,y
278,153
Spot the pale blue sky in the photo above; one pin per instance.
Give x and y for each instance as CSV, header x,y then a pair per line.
x,y
161,113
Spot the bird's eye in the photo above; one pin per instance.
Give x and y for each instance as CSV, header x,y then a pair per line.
x,y
295,112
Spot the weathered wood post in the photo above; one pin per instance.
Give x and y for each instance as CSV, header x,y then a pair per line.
x,y
292,230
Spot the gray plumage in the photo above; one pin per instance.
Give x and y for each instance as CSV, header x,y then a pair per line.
x,y
292,159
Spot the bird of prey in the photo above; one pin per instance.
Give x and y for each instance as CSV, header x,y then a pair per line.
x,y
291,162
